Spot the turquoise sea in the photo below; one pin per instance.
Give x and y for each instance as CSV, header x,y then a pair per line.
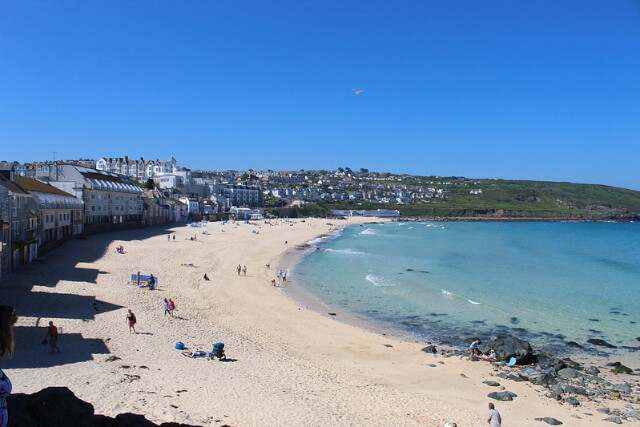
x,y
448,281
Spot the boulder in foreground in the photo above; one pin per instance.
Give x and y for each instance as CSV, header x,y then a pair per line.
x,y
508,346
59,407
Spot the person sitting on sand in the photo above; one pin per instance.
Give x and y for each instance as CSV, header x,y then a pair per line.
x,y
152,282
474,349
491,356
206,278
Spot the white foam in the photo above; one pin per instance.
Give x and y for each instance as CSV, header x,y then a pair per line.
x,y
345,251
368,231
473,302
446,292
410,228
378,281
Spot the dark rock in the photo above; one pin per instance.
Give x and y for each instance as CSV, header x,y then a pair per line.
x,y
491,383
602,343
573,344
572,364
575,390
502,396
622,388
616,420
464,376
568,373
131,420
550,420
614,364
572,401
59,407
557,389
604,410
388,345
507,346
430,349
592,370
52,406
538,377
621,369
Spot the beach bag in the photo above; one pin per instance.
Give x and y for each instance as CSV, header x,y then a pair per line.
x,y
218,348
179,346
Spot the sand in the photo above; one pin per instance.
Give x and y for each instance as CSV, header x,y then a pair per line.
x,y
288,365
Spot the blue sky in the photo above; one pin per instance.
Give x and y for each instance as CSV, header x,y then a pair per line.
x,y
543,90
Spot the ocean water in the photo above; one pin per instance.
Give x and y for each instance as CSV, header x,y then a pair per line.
x,y
448,281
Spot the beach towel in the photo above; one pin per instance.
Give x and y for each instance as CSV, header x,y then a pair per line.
x,y
144,280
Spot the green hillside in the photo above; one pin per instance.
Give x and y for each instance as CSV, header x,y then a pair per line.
x,y
519,199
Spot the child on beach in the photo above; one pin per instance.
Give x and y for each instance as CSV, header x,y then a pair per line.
x,y
52,334
131,320
172,306
8,318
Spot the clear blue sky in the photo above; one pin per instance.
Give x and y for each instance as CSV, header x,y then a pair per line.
x,y
544,90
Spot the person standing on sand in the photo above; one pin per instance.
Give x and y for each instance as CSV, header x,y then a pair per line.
x,y
169,237
166,307
8,318
244,270
138,278
172,306
174,237
239,269
52,334
131,320
494,420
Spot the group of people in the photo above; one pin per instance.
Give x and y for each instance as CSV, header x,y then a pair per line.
x,y
169,306
474,350
241,269
169,236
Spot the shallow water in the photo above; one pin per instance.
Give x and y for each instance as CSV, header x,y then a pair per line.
x,y
547,282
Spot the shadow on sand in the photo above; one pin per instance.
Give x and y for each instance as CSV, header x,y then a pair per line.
x,y
61,264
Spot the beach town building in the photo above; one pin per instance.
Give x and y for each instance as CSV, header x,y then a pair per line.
x,y
22,221
59,214
111,201
193,205
244,214
177,210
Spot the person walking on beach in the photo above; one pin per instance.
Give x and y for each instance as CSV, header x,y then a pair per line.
x,y
174,237
239,269
8,318
244,270
166,307
169,237
131,320
494,420
138,277
172,306
52,334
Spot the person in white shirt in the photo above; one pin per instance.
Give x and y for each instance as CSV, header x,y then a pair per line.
x,y
494,419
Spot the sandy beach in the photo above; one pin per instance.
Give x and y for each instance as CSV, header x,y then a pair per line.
x,y
288,365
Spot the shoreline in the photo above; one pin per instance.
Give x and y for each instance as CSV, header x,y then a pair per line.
x,y
288,366
301,296
632,220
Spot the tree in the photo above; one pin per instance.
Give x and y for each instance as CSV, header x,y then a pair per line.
x,y
363,170
340,170
149,184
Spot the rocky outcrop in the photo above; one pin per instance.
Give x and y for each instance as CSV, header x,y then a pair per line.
x,y
508,346
59,407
